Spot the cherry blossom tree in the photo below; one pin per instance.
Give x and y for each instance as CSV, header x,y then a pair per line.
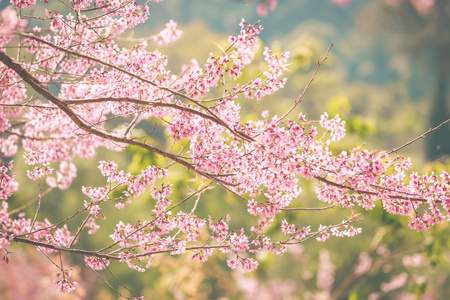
x,y
68,89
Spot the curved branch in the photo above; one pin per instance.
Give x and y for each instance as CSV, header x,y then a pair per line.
x,y
419,137
171,91
45,92
149,103
307,208
71,250
370,193
300,97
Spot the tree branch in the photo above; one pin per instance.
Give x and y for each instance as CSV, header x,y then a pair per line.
x,y
419,137
40,89
299,99
171,91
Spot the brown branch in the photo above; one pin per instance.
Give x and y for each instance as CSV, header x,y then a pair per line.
x,y
45,92
152,221
149,103
171,91
109,256
59,248
53,225
308,208
419,137
103,255
11,212
299,99
343,186
187,249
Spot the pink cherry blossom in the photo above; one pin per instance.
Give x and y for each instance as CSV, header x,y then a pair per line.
x,y
262,10
169,35
7,183
342,3
11,22
423,7
272,4
96,263
396,282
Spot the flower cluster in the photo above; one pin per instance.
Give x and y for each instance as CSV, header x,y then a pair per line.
x,y
264,6
245,264
277,64
63,284
7,183
96,263
335,126
10,24
39,158
67,172
169,35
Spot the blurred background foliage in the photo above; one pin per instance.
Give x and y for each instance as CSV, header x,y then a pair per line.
x,y
387,75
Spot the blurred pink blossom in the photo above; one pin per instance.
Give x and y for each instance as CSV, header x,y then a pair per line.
x,y
10,22
261,10
423,7
364,263
395,283
169,35
342,3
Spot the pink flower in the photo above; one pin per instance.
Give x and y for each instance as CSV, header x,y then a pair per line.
x,y
25,3
3,242
169,35
423,7
65,286
7,183
342,3
179,248
272,4
96,263
11,22
396,282
261,10
323,234
364,263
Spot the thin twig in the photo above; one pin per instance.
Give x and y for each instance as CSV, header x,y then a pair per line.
x,y
118,280
299,99
108,284
71,250
39,197
79,230
311,208
343,186
419,137
14,211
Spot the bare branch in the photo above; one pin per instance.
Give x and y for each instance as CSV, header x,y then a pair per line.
x,y
300,97
308,208
419,137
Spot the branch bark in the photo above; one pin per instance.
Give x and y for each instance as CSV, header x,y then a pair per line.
x,y
47,94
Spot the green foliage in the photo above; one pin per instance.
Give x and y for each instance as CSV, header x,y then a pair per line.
x,y
420,290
